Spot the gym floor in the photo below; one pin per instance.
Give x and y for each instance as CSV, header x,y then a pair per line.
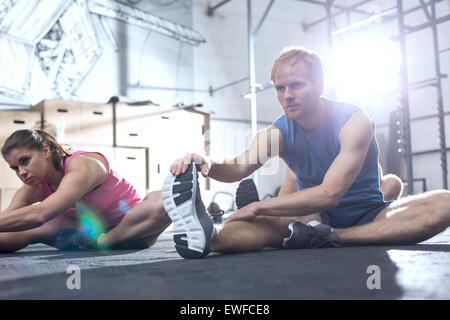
x,y
406,272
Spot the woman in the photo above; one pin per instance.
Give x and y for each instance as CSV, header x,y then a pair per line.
x,y
64,192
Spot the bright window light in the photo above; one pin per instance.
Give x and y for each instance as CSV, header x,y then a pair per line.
x,y
365,68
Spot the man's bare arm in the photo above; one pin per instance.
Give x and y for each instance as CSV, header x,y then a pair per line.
x,y
266,144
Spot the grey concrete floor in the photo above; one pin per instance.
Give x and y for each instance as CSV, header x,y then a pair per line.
x,y
406,272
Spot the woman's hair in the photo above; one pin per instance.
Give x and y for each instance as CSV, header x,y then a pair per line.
x,y
36,139
294,55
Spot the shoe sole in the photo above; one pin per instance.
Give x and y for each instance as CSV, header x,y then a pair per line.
x,y
246,193
192,226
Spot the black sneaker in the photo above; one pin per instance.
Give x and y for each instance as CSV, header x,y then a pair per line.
x,y
215,213
71,239
246,193
192,226
311,235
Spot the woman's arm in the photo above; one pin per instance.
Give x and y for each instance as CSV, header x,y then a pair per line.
x,y
25,196
84,174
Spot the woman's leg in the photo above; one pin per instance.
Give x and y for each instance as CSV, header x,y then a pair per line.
x,y
13,241
140,227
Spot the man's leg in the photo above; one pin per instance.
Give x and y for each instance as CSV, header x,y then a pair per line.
x,y
245,236
391,186
406,221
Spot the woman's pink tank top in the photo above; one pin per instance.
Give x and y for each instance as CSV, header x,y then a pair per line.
x,y
110,201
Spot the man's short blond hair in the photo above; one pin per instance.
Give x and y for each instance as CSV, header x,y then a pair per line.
x,y
294,55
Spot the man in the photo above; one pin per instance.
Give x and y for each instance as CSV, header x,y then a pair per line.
x,y
332,156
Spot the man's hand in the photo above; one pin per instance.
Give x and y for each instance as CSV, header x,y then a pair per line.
x,y
247,213
181,165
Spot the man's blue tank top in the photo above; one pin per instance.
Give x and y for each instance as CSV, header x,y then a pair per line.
x,y
310,154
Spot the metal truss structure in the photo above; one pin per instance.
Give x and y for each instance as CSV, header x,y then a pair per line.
x,y
49,46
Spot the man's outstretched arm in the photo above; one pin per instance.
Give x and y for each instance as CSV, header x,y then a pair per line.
x,y
266,144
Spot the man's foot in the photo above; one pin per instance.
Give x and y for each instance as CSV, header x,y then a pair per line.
x,y
246,193
311,235
192,226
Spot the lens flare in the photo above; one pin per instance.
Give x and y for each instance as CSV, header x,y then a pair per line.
x,y
367,66
123,206
91,222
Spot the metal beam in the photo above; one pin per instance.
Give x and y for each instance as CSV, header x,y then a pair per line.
x,y
330,24
419,7
346,9
14,105
425,10
213,90
404,96
363,22
210,9
139,86
428,24
266,12
134,16
258,88
440,100
306,26
252,75
430,116
251,68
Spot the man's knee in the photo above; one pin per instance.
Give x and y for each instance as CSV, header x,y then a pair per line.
x,y
392,187
441,201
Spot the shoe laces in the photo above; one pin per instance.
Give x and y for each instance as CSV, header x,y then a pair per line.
x,y
216,215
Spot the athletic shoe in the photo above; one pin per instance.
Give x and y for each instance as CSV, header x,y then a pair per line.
x,y
215,213
246,193
192,226
311,235
71,239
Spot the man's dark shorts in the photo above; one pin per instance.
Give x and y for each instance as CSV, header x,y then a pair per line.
x,y
353,215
